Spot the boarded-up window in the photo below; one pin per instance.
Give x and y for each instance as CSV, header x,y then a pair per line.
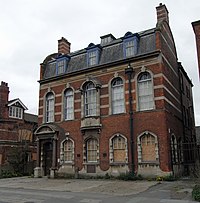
x,y
34,156
25,134
119,153
148,148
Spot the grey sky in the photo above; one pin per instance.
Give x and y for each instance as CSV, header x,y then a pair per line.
x,y
29,30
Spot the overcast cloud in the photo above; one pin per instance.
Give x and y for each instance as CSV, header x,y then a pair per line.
x,y
29,30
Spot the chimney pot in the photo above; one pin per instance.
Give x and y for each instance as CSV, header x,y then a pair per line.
x,y
4,84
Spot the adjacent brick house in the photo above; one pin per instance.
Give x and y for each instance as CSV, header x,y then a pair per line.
x,y
16,132
124,105
196,28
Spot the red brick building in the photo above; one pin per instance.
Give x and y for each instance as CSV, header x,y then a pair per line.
x,y
124,105
16,132
196,28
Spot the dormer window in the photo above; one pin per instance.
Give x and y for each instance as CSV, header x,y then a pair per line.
x,y
57,66
15,112
92,58
130,43
61,65
16,109
93,54
129,48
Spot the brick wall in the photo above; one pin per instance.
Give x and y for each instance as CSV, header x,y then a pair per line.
x,y
152,121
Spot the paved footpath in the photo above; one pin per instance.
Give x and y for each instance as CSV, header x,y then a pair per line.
x,y
114,187
94,191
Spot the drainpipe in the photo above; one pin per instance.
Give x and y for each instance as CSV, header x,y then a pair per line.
x,y
129,73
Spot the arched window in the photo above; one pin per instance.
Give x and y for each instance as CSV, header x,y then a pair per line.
x,y
118,149
68,105
92,150
117,96
68,149
119,153
148,148
145,91
49,107
90,99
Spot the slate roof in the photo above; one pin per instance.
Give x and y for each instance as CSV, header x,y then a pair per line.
x,y
111,52
30,118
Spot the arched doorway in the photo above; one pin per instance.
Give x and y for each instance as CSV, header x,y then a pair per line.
x,y
47,136
48,154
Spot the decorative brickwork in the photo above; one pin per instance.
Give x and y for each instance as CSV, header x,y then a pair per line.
x,y
108,102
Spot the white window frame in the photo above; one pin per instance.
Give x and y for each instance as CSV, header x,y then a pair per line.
x,y
15,112
117,96
90,99
68,104
93,150
129,48
145,92
92,58
49,111
62,152
61,65
68,152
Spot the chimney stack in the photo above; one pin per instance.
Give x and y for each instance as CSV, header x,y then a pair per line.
x,y
4,92
162,13
63,46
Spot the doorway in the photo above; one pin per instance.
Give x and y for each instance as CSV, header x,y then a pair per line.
x,y
48,153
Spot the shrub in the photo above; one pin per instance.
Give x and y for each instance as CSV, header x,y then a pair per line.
x,y
165,178
9,174
159,178
129,176
169,178
196,193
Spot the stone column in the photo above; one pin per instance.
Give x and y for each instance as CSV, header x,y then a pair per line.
x,y
54,158
38,153
38,170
